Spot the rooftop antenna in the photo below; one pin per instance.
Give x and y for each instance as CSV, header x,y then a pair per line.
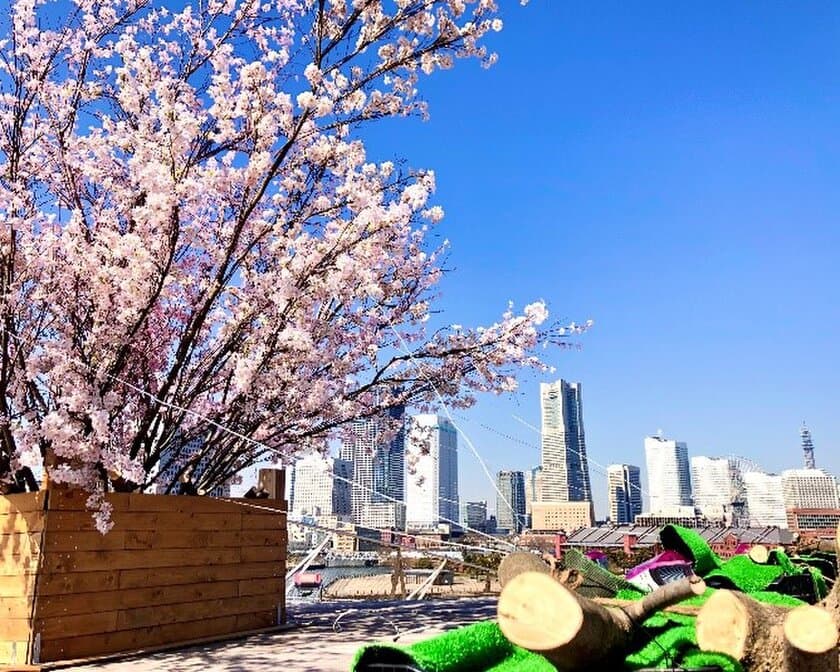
x,y
807,447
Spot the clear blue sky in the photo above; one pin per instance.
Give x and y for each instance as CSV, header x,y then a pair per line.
x,y
673,172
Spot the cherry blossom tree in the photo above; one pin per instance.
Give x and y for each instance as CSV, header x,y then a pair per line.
x,y
194,243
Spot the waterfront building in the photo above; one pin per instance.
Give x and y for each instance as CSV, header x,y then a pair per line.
x,y
809,489
668,473
565,471
376,448
510,501
624,493
320,486
432,484
765,499
565,516
476,516
173,462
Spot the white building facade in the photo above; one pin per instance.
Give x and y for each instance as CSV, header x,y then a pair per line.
x,y
714,483
565,469
809,489
765,499
431,484
668,473
320,486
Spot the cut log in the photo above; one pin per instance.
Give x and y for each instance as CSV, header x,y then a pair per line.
x,y
747,630
832,601
811,640
759,554
538,613
519,562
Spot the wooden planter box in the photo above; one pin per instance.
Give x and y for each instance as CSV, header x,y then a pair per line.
x,y
172,569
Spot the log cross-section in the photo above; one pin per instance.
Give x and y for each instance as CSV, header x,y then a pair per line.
x,y
540,614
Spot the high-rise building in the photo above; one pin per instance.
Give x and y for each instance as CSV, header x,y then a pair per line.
x,y
476,516
565,472
765,499
186,454
624,492
320,486
377,454
431,493
533,487
713,482
809,489
510,506
669,477
807,447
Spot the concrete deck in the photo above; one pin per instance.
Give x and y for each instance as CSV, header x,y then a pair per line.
x,y
325,638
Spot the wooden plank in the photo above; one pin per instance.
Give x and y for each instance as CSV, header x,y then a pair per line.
x,y
148,539
13,653
92,561
168,614
263,553
143,503
25,502
271,537
133,520
16,607
73,540
256,620
19,544
74,499
16,629
85,603
28,521
264,521
273,586
131,640
139,578
78,582
17,585
78,624
18,565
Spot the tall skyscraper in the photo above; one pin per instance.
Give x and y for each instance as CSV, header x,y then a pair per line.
x,y
510,514
624,491
316,491
669,477
565,472
809,489
713,482
765,499
533,487
807,447
476,516
378,458
431,492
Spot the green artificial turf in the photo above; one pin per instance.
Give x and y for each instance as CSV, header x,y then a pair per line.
x,y
691,546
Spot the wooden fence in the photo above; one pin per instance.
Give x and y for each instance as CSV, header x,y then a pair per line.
x,y
172,569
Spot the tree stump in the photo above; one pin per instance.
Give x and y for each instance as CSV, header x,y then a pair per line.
x,y
540,614
811,640
519,562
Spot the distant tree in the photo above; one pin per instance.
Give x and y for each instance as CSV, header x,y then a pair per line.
x,y
193,238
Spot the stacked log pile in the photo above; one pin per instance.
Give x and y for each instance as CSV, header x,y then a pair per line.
x,y
540,611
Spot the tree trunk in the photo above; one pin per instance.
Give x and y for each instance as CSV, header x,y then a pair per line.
x,y
749,631
519,562
538,613
810,641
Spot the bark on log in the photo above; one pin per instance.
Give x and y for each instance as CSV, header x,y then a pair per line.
x,y
749,631
575,633
810,641
832,601
519,562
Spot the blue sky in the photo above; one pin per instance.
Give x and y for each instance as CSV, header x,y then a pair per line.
x,y
670,171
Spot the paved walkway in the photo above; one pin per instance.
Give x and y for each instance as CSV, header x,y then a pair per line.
x,y
325,638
